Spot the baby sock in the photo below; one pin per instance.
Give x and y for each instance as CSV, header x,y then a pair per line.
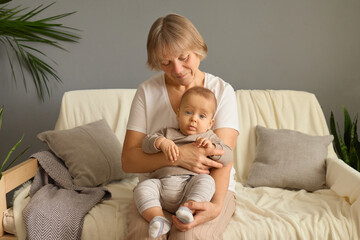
x,y
184,214
158,226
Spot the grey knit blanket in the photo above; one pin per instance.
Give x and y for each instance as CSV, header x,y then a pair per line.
x,y
57,207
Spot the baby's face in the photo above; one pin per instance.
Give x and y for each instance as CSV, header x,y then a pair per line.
x,y
195,114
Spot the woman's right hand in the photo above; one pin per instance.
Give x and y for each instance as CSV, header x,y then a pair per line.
x,y
195,158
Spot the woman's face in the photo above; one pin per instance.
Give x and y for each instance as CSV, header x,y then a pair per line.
x,y
181,68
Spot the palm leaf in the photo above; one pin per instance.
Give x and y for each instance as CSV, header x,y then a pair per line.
x,y
356,142
344,149
3,168
353,157
1,112
9,13
347,146
18,31
11,151
12,66
333,131
33,12
347,127
19,59
16,158
4,1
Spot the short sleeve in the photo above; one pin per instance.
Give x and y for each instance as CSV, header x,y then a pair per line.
x,y
137,113
226,115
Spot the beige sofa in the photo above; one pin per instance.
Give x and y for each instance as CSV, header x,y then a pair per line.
x,y
261,212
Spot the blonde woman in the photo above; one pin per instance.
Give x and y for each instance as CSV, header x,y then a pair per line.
x,y
176,48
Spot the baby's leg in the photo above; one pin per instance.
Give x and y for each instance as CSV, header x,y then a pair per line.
x,y
200,188
159,225
146,196
152,212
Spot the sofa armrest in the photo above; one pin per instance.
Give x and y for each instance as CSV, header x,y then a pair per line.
x,y
13,178
343,180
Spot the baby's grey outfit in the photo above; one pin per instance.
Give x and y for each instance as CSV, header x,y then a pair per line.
x,y
169,187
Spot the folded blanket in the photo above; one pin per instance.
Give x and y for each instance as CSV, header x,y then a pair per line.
x,y
57,207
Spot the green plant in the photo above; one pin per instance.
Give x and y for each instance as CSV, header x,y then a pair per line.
x,y
19,33
347,146
3,168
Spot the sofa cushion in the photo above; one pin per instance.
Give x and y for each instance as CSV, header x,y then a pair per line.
x,y
91,152
277,109
289,159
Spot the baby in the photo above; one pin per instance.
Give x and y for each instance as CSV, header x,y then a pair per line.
x,y
170,187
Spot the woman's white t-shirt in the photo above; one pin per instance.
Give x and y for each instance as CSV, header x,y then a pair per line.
x,y
151,109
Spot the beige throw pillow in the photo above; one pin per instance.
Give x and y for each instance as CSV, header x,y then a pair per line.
x,y
289,159
91,152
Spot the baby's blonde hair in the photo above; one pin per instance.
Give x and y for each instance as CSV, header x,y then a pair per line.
x,y
203,92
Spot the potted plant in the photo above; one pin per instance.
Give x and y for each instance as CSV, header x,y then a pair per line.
x,y
347,146
19,32
21,36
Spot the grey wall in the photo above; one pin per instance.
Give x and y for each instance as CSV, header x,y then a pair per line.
x,y
310,45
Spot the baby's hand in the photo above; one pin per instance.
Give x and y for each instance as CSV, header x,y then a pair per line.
x,y
170,149
204,142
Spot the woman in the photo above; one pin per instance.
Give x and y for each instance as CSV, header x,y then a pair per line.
x,y
175,46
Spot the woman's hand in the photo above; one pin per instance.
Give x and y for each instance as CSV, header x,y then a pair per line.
x,y
195,158
204,212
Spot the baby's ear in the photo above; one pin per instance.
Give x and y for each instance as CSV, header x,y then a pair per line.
x,y
211,123
177,114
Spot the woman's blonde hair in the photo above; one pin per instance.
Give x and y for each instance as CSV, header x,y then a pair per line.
x,y
173,33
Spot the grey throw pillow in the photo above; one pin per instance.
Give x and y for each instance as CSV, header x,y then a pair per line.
x,y
289,159
91,152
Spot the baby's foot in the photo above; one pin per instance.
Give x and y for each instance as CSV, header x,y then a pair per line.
x,y
184,214
158,226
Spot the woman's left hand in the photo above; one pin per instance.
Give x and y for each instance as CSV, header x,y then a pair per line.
x,y
204,212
